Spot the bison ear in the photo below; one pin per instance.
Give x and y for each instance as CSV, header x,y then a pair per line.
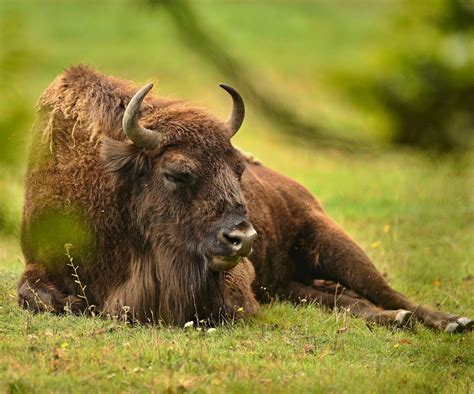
x,y
123,157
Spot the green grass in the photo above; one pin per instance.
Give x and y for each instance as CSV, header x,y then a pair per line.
x,y
412,214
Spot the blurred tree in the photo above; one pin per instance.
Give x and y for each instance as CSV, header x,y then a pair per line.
x,y
277,111
425,83
426,79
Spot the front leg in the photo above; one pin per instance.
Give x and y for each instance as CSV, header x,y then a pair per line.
x,y
334,255
36,293
239,299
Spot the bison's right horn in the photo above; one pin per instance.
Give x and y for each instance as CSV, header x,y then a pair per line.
x,y
140,136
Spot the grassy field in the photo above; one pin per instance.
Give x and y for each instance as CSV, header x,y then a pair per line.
x,y
413,215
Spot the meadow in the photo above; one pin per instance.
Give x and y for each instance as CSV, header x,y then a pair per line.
x,y
411,212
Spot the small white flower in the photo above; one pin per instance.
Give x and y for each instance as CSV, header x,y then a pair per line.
x,y
189,324
211,330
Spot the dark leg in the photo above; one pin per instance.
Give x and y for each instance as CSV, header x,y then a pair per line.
x,y
37,294
335,256
332,296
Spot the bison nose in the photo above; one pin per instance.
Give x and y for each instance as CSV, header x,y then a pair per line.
x,y
239,239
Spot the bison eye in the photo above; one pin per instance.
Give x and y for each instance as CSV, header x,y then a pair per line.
x,y
178,178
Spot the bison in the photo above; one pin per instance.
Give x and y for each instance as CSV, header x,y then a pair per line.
x,y
139,206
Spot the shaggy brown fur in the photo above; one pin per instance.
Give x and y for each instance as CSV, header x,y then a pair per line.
x,y
142,243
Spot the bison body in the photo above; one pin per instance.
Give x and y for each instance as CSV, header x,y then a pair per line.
x,y
142,208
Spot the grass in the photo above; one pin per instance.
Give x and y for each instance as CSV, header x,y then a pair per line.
x,y
414,215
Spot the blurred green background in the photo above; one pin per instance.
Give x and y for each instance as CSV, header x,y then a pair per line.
x,y
368,103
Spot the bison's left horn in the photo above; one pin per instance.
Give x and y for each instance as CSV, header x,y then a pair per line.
x,y
140,136
236,117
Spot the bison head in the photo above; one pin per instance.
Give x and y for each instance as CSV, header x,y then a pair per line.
x,y
181,179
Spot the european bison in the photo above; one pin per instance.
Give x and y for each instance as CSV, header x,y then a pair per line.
x,y
141,207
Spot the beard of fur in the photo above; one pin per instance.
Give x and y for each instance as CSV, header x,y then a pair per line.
x,y
188,289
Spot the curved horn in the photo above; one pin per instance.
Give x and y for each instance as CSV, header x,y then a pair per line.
x,y
236,117
140,136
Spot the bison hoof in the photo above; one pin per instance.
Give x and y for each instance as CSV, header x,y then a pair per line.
x,y
453,328
462,324
403,318
466,323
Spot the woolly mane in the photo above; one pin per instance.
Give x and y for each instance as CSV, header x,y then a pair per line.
x,y
91,100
